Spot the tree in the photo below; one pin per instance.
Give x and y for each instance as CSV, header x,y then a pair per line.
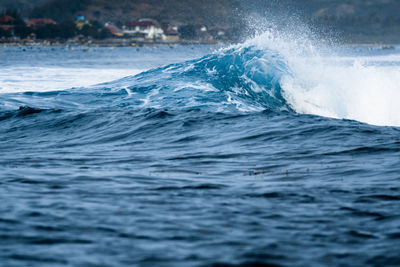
x,y
19,27
67,29
48,31
104,33
64,30
89,30
15,15
4,33
22,31
187,31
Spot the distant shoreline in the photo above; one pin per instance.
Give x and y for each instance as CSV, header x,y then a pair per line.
x,y
113,42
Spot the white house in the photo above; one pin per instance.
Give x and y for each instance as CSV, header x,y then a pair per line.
x,y
144,28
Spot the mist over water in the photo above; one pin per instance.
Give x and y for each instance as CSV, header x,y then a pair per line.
x,y
281,151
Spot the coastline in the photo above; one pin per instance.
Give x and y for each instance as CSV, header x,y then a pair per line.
x,y
121,42
111,42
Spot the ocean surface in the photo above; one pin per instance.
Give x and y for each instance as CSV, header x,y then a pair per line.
x,y
266,153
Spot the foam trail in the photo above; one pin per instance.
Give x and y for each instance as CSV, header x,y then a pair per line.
x,y
42,79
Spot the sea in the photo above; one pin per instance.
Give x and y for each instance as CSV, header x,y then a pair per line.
x,y
271,152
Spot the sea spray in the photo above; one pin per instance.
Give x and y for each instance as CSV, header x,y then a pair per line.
x,y
322,81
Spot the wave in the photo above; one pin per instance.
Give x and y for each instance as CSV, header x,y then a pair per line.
x,y
241,78
265,73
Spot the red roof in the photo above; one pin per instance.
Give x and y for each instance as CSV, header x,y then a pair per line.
x,y
40,22
171,32
6,19
140,23
6,27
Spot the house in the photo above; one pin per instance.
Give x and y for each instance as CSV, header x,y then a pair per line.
x,y
80,20
7,27
6,20
171,36
6,23
144,28
80,17
203,34
218,33
113,29
35,23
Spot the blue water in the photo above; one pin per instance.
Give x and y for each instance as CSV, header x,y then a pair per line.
x,y
199,163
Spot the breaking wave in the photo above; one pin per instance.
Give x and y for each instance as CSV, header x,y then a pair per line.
x,y
264,73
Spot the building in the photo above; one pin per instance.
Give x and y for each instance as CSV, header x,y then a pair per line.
x,y
8,20
143,29
218,33
171,36
80,17
7,23
80,20
113,29
34,23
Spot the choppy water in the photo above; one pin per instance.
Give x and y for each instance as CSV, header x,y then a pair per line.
x,y
257,154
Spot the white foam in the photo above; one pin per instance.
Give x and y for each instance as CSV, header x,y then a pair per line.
x,y
206,87
41,79
362,88
365,93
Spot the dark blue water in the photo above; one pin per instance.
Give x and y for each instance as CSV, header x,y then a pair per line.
x,y
189,165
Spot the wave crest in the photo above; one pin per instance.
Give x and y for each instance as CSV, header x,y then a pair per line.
x,y
239,78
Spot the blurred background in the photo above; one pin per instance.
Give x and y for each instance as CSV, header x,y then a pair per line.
x,y
139,22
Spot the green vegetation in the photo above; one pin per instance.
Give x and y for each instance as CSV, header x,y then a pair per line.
x,y
68,29
17,25
205,12
4,33
187,15
63,30
187,31
60,10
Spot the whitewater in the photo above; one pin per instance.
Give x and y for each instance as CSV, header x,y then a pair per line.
x,y
278,151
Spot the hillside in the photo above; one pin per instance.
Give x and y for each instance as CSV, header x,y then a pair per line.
x,y
21,5
361,21
354,20
208,12
358,20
